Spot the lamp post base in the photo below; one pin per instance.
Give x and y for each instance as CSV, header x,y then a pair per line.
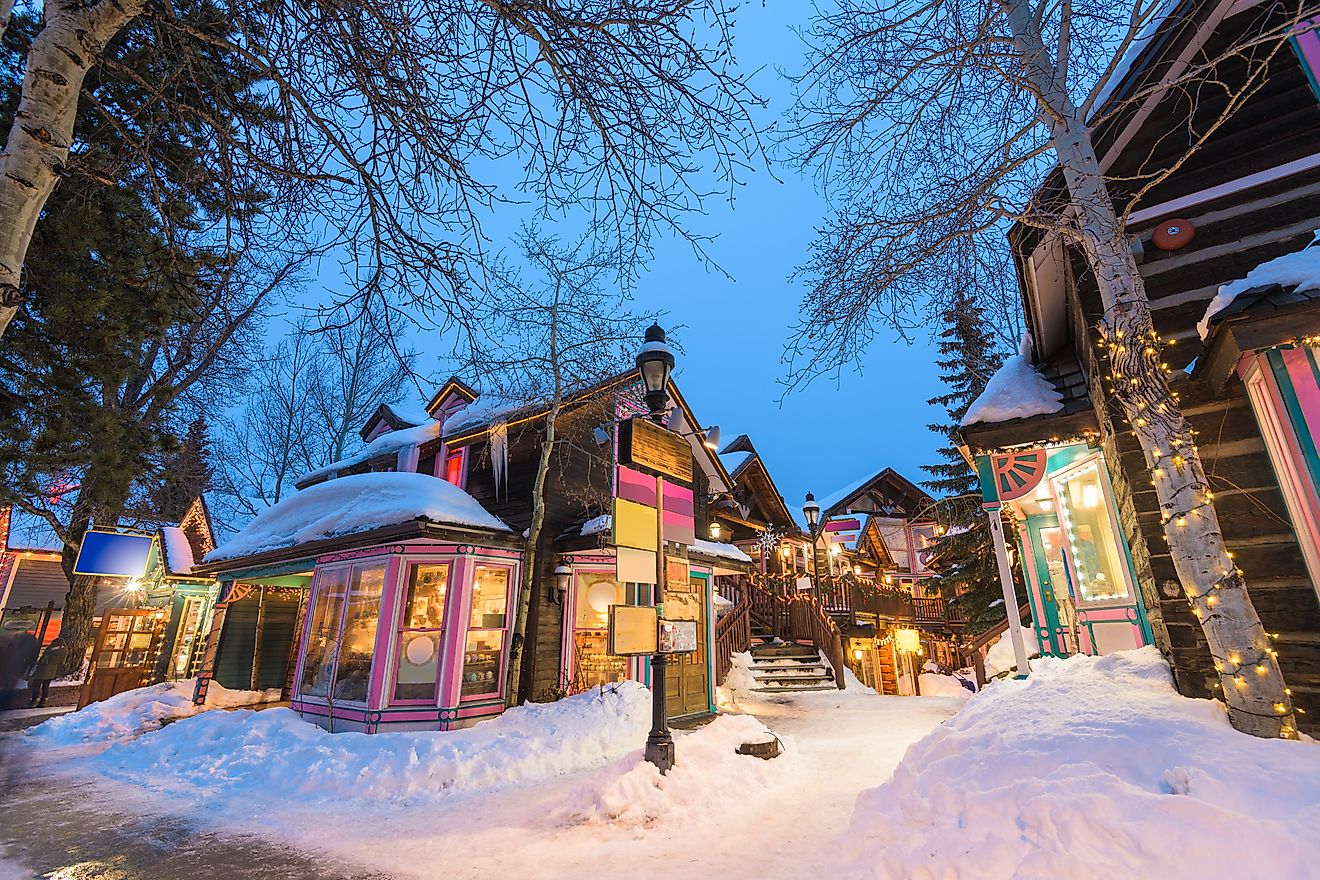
x,y
660,751
660,742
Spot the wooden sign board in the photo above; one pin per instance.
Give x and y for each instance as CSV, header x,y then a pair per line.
x,y
677,637
643,443
632,630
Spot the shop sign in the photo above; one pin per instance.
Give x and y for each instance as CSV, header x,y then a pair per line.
x,y
1011,475
908,640
633,630
677,637
113,554
643,443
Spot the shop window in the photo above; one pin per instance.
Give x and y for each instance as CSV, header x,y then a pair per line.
x,y
358,643
323,634
421,633
1094,544
486,624
593,665
454,468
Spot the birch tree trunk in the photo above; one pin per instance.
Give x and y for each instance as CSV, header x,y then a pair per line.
x,y
41,133
1253,687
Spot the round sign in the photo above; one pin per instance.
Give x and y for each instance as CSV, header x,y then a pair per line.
x,y
420,650
601,596
1173,234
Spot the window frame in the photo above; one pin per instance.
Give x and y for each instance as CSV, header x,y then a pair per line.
x,y
1057,480
349,568
510,570
408,564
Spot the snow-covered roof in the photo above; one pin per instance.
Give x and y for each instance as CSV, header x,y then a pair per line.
x,y
413,413
1300,269
734,460
389,442
720,550
177,549
839,495
354,504
1017,390
28,532
1154,16
597,525
485,410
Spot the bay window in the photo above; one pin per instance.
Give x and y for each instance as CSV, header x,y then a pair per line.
x,y
421,634
487,621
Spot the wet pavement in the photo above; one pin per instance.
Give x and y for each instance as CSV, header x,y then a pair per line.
x,y
63,827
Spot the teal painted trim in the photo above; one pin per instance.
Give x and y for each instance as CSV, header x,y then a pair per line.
x,y
284,569
989,491
1295,413
1064,456
711,683
1047,616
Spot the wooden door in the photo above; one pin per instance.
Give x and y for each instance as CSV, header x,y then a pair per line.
x,y
124,652
687,677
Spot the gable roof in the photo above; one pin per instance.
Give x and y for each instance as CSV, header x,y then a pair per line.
x,y
899,496
453,386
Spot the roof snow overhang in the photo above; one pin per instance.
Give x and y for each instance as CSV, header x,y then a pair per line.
x,y
1258,319
1077,417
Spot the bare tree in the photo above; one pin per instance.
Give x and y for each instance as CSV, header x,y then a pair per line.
x,y
935,121
386,114
556,325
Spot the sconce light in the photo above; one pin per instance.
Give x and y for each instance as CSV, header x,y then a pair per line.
x,y
712,440
857,570
715,530
785,550
602,436
563,573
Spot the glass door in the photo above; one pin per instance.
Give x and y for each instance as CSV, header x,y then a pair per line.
x,y
1052,593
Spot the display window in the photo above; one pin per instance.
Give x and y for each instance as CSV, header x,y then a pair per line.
x,y
487,622
1095,550
421,632
593,665
341,640
323,633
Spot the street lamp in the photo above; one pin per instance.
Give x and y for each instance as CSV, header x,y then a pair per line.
x,y
655,361
811,510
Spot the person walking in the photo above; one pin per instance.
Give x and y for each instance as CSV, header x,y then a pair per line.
x,y
44,671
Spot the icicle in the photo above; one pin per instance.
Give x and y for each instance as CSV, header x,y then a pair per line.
x,y
499,455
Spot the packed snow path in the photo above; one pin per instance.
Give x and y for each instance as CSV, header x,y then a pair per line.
x,y
776,817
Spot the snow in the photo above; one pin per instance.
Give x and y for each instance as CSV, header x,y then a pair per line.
x,y
389,443
178,551
719,549
1155,16
413,413
835,498
353,504
485,410
933,684
734,460
130,714
999,657
1300,269
1092,767
598,524
1016,391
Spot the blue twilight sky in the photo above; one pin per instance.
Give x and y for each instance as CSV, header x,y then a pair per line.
x,y
734,327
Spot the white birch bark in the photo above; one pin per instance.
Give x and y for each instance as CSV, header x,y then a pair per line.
x,y
1253,687
42,129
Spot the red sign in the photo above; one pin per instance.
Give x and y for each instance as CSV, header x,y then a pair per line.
x,y
1017,473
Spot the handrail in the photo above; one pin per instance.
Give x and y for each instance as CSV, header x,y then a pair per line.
x,y
797,616
733,635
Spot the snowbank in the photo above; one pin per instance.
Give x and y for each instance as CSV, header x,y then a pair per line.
x,y
1015,391
933,684
273,756
1092,767
709,777
1300,269
133,713
719,549
352,504
1000,657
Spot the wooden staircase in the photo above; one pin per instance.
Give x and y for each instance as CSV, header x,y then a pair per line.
x,y
787,667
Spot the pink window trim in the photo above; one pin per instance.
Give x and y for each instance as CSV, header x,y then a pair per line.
x,y
391,651
509,610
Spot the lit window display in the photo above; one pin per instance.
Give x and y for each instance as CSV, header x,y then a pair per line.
x,y
1095,550
593,665
358,644
323,633
421,633
485,640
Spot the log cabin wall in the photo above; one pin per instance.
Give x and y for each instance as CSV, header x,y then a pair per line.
x,y
1234,233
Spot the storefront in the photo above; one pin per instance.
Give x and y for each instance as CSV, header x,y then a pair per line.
x,y
1080,579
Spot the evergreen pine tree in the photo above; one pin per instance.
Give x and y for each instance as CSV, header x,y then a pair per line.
x,y
185,474
964,554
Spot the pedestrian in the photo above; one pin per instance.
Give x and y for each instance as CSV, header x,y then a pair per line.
x,y
44,671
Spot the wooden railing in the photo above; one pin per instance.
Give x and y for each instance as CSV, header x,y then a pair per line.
x,y
796,617
733,635
850,595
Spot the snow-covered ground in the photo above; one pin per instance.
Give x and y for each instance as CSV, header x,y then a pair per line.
x,y
1089,768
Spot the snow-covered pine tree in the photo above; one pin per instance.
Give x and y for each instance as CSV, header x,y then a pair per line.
x,y
964,554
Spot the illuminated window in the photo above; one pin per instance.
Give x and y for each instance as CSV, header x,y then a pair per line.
x,y
487,619
454,467
593,665
422,632
1095,550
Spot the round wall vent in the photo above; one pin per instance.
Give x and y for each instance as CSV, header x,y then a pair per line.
x,y
1173,234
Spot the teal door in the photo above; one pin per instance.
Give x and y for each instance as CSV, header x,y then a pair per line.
x,y
1053,604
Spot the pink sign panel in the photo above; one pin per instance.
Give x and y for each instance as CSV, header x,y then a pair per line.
x,y
636,486
680,508
843,525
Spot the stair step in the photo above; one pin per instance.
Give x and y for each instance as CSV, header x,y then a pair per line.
x,y
791,690
783,651
758,666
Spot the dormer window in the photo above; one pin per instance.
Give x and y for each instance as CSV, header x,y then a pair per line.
x,y
455,471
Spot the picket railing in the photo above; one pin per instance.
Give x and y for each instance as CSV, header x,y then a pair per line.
x,y
733,635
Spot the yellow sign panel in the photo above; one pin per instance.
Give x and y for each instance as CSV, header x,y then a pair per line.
x,y
908,640
635,525
632,629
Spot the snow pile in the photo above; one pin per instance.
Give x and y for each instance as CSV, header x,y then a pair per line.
x,y
597,525
934,684
178,552
1300,269
275,756
133,713
1015,391
739,686
352,504
1092,767
389,443
719,550
709,777
1000,657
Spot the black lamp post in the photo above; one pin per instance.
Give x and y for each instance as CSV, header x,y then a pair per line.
x,y
655,361
811,510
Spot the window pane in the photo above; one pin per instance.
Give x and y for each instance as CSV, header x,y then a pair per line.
x,y
454,468
323,634
425,607
419,661
490,598
481,663
1095,549
593,665
359,640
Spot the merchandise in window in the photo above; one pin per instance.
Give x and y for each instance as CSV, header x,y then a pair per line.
x,y
358,644
593,665
323,633
422,631
487,619
1095,548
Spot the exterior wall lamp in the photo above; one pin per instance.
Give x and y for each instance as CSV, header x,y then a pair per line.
x,y
563,574
715,530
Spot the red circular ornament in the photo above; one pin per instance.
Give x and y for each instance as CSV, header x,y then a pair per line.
x,y
1173,234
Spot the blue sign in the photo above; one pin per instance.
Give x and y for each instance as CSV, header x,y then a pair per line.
x,y
113,554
